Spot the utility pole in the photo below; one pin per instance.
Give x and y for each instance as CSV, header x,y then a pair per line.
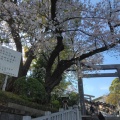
x,y
80,89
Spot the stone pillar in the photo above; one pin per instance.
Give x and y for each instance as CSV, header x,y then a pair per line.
x,y
118,72
80,89
81,96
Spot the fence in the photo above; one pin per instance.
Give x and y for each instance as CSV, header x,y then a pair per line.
x,y
70,114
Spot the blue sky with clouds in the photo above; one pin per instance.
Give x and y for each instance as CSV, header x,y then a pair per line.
x,y
100,86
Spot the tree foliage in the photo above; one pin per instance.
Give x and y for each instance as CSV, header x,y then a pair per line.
x,y
31,89
38,69
48,26
73,98
60,89
115,86
114,95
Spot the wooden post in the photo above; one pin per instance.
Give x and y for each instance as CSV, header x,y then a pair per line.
x,y
48,113
78,112
61,116
62,113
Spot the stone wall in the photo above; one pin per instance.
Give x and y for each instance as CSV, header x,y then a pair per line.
x,y
13,111
26,110
8,116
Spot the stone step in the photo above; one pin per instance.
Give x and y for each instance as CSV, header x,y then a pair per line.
x,y
88,117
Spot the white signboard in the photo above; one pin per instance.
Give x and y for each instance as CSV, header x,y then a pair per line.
x,y
9,61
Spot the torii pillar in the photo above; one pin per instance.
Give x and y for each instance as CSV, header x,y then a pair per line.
x,y
80,89
118,72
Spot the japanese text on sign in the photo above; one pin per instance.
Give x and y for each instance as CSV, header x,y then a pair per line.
x,y
9,61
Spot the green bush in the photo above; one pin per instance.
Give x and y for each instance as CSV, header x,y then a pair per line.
x,y
6,97
55,104
30,88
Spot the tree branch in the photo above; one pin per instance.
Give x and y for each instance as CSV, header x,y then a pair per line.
x,y
117,25
15,35
55,53
53,9
102,49
57,74
109,23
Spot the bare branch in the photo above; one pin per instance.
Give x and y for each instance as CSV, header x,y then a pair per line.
x,y
117,25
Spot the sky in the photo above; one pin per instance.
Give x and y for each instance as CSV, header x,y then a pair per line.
x,y
99,86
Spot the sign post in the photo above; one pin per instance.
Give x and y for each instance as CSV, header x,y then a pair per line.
x,y
5,83
9,63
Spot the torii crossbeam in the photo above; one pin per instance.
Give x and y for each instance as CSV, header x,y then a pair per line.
x,y
105,67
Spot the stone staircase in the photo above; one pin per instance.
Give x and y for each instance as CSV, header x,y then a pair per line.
x,y
94,117
88,117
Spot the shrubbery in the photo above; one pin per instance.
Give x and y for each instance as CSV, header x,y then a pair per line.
x,y
55,104
6,97
31,89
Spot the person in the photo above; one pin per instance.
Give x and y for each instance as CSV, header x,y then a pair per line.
x,y
65,104
100,116
117,113
91,109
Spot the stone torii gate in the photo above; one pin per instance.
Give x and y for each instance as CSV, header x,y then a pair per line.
x,y
105,67
101,67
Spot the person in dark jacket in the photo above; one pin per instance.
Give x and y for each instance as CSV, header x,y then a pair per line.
x,y
100,116
91,109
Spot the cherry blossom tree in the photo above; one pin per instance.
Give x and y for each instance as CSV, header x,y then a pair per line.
x,y
51,27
